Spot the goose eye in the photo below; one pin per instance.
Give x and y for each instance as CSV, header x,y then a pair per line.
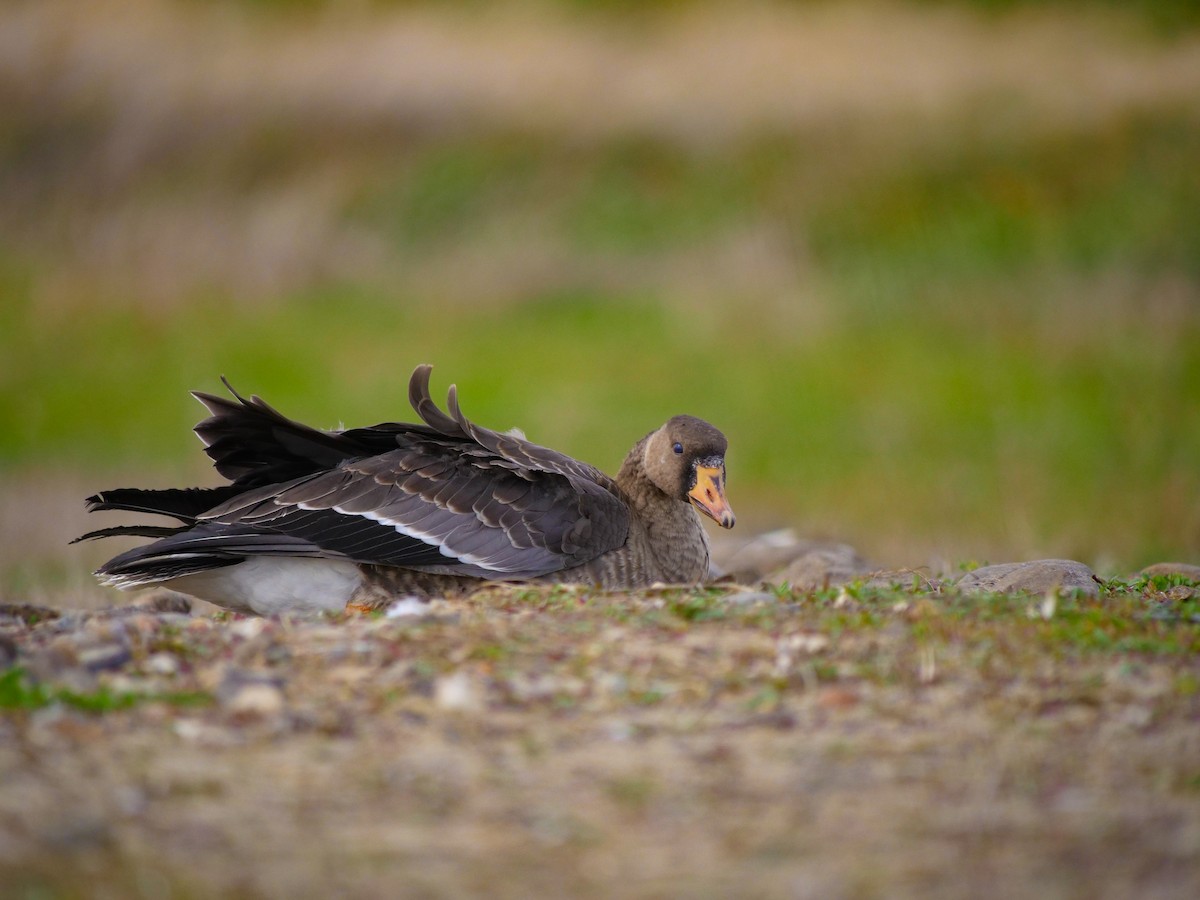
x,y
678,448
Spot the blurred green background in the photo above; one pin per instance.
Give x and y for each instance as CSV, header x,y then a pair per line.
x,y
933,267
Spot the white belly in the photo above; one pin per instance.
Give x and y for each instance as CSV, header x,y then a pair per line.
x,y
269,585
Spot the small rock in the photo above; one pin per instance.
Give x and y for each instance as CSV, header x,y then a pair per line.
x,y
903,579
123,683
104,657
836,697
619,731
249,629
457,693
165,601
526,688
1190,572
804,643
749,598
250,695
1038,577
143,624
350,675
790,648
67,623
260,700
200,732
161,664
821,566
782,552
748,561
1181,592
407,606
62,651
104,628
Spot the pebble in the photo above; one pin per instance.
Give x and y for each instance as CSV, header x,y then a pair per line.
x,y
747,561
1190,572
1181,592
535,687
61,652
250,694
260,700
457,693
836,697
822,565
248,629
164,601
161,664
904,579
1038,577
807,642
781,555
789,649
200,732
104,657
105,628
407,606
351,675
749,598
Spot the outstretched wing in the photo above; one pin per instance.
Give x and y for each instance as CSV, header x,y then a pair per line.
x,y
466,512
444,496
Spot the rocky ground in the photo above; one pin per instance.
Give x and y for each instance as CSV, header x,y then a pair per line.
x,y
832,732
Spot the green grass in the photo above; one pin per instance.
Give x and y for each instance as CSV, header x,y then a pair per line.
x,y
994,348
19,692
1125,199
1130,616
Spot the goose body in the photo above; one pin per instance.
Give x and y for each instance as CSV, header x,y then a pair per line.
x,y
315,520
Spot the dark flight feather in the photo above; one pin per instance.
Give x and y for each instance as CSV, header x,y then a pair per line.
x,y
446,495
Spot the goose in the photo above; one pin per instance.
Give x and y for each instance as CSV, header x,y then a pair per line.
x,y
314,520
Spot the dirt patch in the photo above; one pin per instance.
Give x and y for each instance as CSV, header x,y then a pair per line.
x,y
849,742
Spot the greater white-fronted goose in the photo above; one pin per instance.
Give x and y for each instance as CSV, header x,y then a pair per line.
x,y
318,520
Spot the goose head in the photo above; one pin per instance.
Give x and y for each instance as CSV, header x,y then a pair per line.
x,y
685,459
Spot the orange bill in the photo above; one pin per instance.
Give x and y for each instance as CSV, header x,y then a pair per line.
x,y
709,495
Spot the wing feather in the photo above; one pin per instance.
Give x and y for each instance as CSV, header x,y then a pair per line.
x,y
445,495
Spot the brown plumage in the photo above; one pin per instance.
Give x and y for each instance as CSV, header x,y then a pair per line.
x,y
315,519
